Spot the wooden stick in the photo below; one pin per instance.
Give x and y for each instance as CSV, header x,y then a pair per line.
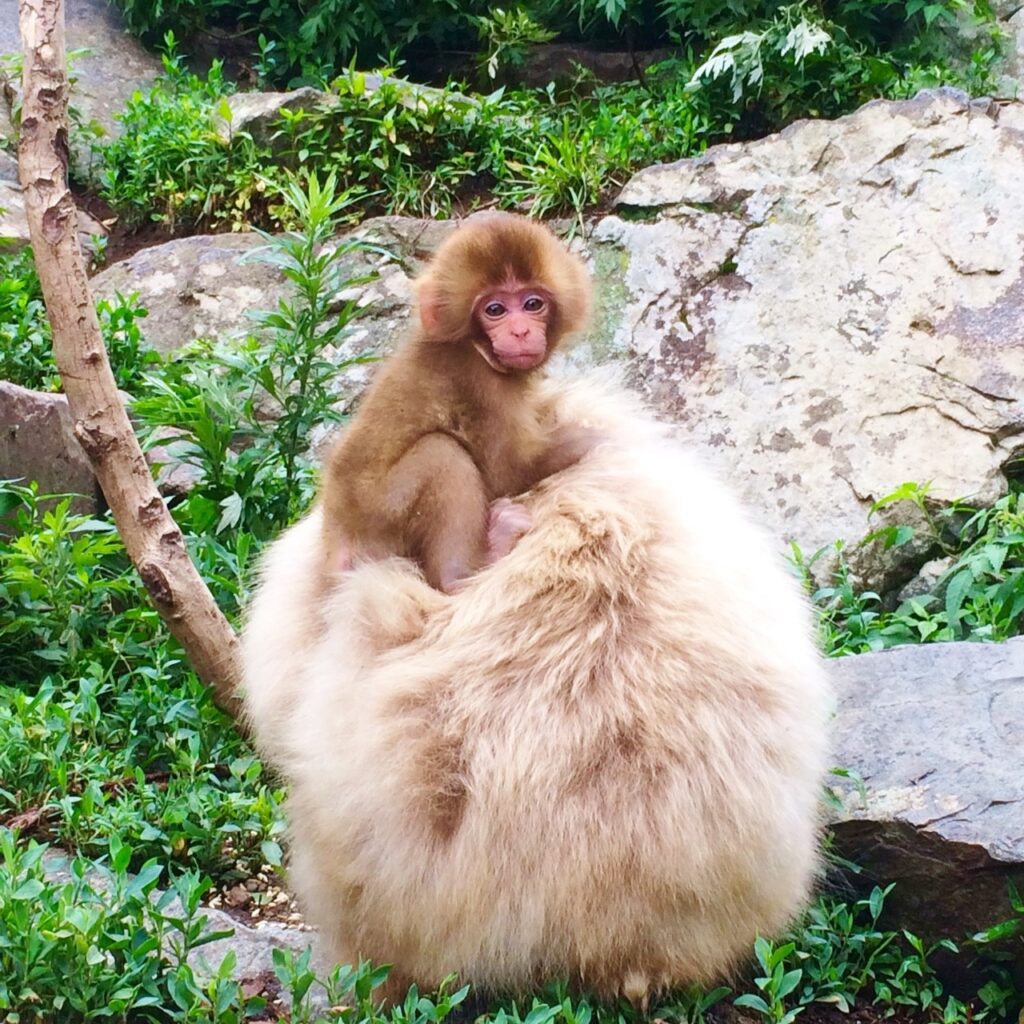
x,y
151,537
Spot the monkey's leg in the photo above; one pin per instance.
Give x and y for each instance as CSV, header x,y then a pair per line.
x,y
438,487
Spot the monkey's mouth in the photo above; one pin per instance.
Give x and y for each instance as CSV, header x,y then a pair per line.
x,y
520,360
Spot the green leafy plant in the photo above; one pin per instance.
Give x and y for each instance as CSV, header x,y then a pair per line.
x,y
793,34
913,984
170,162
841,945
1011,930
1000,947
506,35
130,358
26,356
295,373
257,472
775,983
563,171
979,595
61,577
106,944
801,59
311,40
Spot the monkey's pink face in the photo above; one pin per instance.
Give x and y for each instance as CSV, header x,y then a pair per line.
x,y
515,320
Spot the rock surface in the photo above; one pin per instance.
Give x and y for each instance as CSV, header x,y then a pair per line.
x,y
837,309
14,227
105,77
1014,28
934,732
37,442
255,112
206,286
195,287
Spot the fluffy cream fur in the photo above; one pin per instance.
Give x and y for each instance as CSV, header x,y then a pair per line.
x,y
601,759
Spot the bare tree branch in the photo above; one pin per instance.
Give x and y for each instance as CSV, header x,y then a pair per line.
x,y
151,537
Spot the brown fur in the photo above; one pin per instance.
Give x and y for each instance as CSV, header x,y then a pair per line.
x,y
440,433
599,760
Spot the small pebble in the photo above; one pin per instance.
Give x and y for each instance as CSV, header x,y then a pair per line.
x,y
238,896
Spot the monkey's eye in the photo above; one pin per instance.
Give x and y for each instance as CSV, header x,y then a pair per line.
x,y
534,304
494,310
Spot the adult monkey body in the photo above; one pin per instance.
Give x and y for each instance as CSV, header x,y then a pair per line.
x,y
453,421
600,759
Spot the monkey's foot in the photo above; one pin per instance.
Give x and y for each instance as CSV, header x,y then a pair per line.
x,y
507,521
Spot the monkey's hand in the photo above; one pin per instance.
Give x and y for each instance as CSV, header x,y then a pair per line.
x,y
507,521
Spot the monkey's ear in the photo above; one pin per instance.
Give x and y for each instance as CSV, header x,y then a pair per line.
x,y
429,303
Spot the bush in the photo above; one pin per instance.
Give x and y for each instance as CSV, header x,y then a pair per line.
x,y
300,42
311,41
258,471
26,353
401,148
979,596
169,163
793,61
25,356
396,148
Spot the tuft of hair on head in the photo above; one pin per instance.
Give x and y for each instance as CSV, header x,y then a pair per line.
x,y
488,250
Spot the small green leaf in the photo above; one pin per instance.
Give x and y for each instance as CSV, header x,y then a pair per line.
x,y
28,890
754,1002
956,592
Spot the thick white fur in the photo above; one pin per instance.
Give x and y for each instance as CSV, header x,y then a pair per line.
x,y
601,759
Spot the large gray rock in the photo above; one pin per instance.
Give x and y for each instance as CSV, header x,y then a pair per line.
x,y
37,442
114,67
207,286
935,733
1014,57
13,225
253,945
257,112
194,287
837,309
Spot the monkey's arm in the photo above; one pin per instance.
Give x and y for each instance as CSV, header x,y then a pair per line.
x,y
438,490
